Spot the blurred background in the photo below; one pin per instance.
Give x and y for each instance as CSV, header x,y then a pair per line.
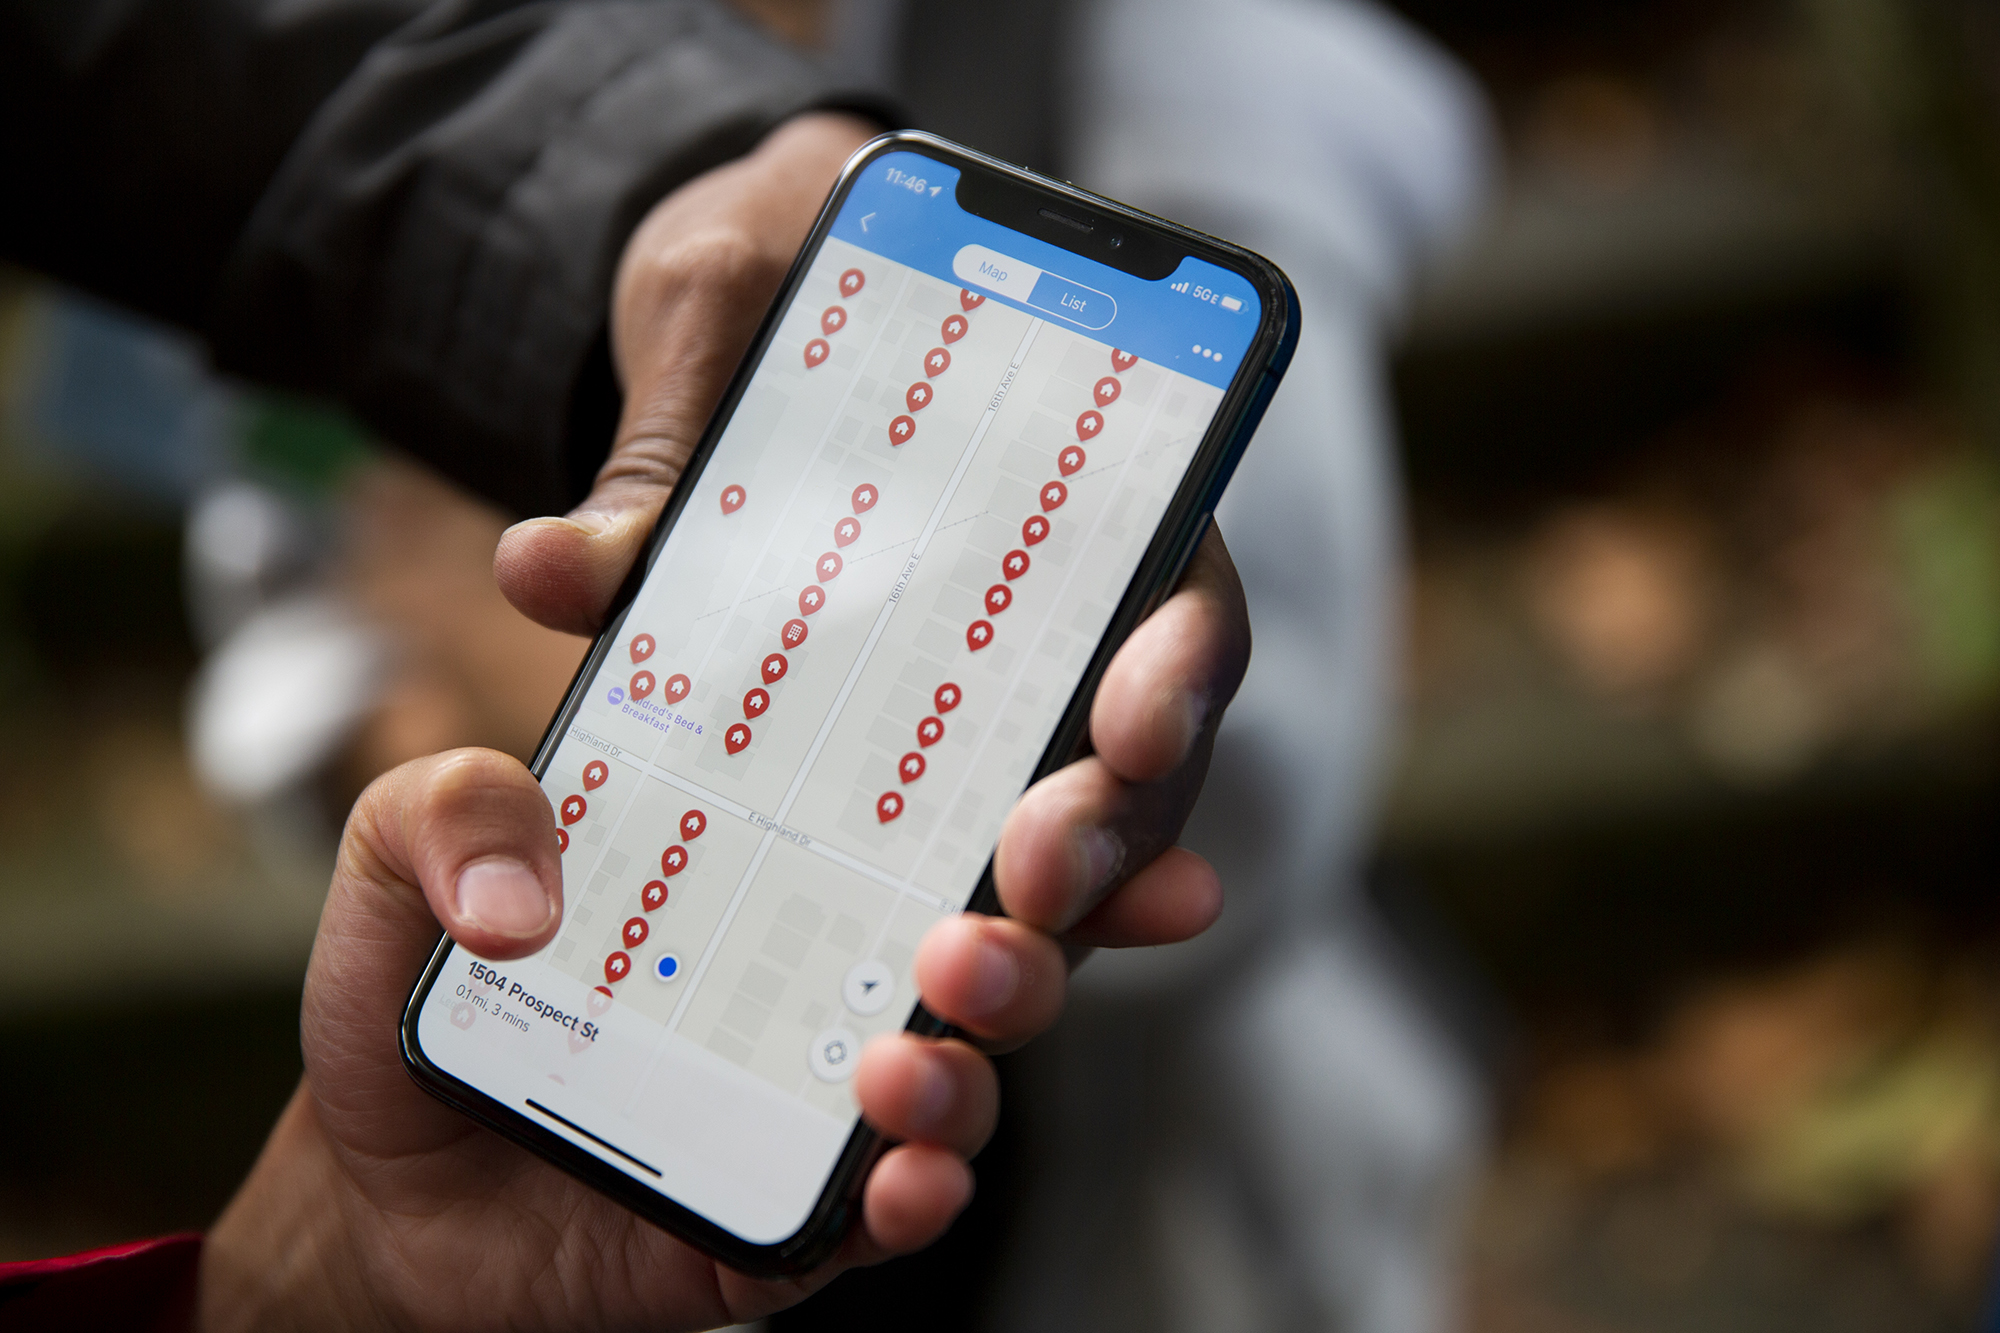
x,y
1693,807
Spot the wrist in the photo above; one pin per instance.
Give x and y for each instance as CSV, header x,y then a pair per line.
x,y
278,1257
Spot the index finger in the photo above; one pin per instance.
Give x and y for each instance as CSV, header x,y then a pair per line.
x,y
1081,831
1179,668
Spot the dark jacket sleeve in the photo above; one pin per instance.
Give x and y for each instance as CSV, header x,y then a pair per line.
x,y
413,207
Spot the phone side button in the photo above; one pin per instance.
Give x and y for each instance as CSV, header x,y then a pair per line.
x,y
1173,581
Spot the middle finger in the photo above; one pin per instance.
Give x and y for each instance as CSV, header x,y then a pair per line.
x,y
924,1090
1000,980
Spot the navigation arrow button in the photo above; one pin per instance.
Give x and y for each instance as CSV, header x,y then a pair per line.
x,y
868,987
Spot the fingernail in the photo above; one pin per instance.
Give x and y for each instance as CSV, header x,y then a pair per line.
x,y
583,525
593,523
1103,855
504,896
1192,709
931,1101
995,978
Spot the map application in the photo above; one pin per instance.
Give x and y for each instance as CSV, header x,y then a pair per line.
x,y
843,666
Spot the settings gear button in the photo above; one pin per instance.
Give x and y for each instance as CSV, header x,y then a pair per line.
x,y
833,1055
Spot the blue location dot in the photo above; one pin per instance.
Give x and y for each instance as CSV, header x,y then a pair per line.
x,y
666,967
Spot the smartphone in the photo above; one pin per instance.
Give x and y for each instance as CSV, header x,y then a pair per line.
x,y
975,440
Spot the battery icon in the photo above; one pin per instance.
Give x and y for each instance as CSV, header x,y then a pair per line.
x,y
1231,303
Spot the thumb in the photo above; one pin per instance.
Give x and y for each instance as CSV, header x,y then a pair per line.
x,y
691,308
691,287
465,839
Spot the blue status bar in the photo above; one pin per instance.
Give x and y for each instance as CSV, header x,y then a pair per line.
x,y
1199,321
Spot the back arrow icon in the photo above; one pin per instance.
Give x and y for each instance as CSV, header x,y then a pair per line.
x,y
864,220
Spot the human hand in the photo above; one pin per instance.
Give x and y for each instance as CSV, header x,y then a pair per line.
x,y
691,288
373,1205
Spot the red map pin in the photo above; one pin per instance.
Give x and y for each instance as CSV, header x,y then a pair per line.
x,y
811,598
1015,563
1122,361
642,648
902,428
692,823
573,808
930,731
755,702
1107,391
635,932
816,352
1088,425
998,598
888,806
832,320
654,896
954,328
734,739
970,300
852,281
829,566
673,860
946,698
775,667
562,841
678,687
864,498
978,634
1034,530
918,396
616,966
599,1000
642,684
911,768
845,531
793,634
733,498
1070,459
936,362
1053,496
594,774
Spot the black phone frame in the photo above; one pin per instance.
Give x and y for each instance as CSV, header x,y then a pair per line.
x,y
1013,192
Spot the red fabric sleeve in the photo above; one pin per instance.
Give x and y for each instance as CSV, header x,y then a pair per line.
x,y
146,1286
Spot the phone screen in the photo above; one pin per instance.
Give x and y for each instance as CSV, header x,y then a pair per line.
x,y
845,662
